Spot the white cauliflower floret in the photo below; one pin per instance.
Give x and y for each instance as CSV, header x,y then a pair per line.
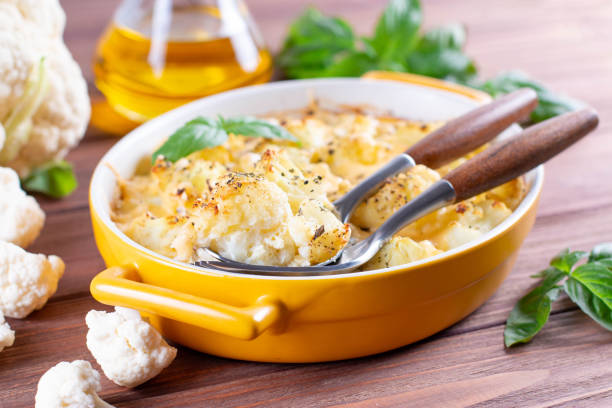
x,y
250,219
400,251
44,105
469,220
169,236
7,336
317,232
70,385
129,350
27,280
395,193
46,14
21,218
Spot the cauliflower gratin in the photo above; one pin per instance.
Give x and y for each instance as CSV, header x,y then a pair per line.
x,y
269,202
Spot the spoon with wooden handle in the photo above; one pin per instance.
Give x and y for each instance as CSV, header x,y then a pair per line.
x,y
451,141
495,166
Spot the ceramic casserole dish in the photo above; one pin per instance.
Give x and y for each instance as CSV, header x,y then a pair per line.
x,y
303,319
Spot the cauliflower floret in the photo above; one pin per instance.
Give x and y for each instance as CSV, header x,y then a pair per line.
x,y
275,165
395,193
70,385
317,232
47,117
468,220
400,251
7,336
250,219
311,132
355,151
21,218
46,14
511,193
27,280
170,236
129,350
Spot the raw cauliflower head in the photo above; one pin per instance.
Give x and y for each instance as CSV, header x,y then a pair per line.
x,y
46,14
60,111
129,350
21,218
27,280
7,336
70,385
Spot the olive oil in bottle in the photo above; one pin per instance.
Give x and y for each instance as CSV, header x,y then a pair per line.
x,y
159,54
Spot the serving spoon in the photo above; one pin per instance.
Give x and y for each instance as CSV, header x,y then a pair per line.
x,y
455,139
495,166
445,144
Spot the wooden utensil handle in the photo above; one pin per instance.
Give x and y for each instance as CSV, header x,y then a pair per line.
x,y
511,158
467,132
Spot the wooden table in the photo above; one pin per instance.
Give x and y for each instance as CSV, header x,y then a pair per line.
x,y
566,44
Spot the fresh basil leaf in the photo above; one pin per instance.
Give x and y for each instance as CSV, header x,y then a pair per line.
x,y
354,64
451,36
439,54
597,278
314,43
396,32
566,260
194,135
606,262
549,104
545,273
55,179
253,127
601,251
589,301
445,64
531,312
201,133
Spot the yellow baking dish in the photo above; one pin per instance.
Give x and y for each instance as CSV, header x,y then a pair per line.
x,y
303,319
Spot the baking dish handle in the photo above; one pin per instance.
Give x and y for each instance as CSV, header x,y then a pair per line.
x,y
121,286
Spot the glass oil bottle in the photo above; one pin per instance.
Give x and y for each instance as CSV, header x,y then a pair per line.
x,y
159,54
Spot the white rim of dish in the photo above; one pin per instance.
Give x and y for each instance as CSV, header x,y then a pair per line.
x,y
95,200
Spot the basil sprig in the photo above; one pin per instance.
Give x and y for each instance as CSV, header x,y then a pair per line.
x,y
589,285
201,133
322,46
55,179
549,104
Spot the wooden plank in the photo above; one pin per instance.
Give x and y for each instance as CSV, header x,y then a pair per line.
x,y
443,369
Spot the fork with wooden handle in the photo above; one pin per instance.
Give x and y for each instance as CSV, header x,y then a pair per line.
x,y
495,166
451,141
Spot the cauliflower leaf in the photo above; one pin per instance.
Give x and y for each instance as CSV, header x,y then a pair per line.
x,y
55,179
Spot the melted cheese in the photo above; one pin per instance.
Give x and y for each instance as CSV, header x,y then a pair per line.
x,y
270,202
